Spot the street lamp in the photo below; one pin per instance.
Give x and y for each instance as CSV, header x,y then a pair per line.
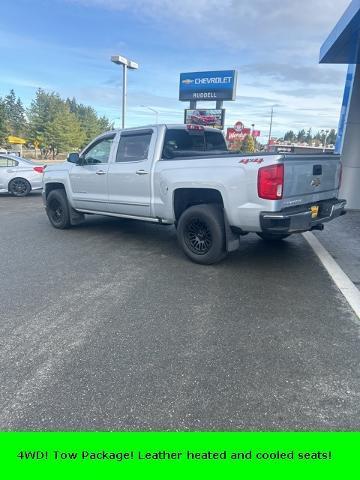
x,y
126,63
271,123
153,110
324,133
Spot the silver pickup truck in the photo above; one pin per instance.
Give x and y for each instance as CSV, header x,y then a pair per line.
x,y
184,175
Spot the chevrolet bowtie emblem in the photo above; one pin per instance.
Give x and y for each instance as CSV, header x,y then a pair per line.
x,y
315,182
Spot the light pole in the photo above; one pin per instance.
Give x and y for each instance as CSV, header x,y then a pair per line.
x,y
271,122
153,110
126,63
325,133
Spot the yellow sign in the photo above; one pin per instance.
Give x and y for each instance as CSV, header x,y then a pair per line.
x,y
16,140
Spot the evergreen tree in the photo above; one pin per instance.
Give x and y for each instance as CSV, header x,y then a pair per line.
x,y
15,113
72,104
89,120
331,139
301,136
308,138
290,136
41,113
4,129
64,133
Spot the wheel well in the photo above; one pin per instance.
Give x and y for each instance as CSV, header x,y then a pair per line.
x,y
49,187
186,197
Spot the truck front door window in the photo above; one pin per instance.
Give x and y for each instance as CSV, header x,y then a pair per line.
x,y
99,153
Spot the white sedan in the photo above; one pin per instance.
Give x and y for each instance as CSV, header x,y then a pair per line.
x,y
19,176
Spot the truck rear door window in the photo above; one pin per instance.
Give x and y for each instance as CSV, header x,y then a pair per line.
x,y
133,147
215,141
179,140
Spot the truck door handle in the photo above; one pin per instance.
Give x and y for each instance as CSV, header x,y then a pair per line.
x,y
141,172
100,172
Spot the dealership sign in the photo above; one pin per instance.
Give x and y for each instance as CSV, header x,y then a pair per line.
x,y
216,85
209,118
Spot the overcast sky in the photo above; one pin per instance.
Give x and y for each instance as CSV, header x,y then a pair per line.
x,y
65,46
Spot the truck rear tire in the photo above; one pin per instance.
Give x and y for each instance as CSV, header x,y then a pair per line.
x,y
57,209
201,233
273,237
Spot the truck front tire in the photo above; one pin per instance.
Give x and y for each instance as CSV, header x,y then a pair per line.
x,y
57,209
201,233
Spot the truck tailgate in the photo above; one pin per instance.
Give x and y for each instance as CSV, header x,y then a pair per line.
x,y
310,178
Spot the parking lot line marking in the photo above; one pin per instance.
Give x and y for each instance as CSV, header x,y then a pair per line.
x,y
341,280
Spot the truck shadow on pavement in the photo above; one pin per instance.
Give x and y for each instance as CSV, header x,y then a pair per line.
x,y
161,241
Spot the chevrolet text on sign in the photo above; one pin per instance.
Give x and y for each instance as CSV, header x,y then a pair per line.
x,y
217,85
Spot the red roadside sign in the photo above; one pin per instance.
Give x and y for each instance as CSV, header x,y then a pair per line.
x,y
232,135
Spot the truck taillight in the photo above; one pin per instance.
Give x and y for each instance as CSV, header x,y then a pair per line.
x,y
271,182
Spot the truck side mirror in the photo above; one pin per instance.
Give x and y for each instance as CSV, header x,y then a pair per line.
x,y
73,157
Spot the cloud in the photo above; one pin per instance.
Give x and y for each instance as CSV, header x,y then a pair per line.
x,y
13,81
274,46
310,92
293,29
304,74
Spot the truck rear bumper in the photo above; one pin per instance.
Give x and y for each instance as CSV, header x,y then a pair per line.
x,y
300,219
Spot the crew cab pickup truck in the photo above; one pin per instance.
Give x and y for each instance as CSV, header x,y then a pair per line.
x,y
184,175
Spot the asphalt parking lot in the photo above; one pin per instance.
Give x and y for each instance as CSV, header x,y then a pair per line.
x,y
107,326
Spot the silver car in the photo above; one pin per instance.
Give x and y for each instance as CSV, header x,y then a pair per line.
x,y
19,176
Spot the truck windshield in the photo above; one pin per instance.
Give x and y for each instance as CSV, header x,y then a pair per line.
x,y
178,141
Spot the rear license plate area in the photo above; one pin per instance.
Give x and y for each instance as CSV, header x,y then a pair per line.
x,y
314,211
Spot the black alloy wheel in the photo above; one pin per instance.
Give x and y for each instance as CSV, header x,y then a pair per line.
x,y
198,236
201,233
57,209
19,187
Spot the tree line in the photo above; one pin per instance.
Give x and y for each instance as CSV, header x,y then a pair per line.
x,y
51,124
303,136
